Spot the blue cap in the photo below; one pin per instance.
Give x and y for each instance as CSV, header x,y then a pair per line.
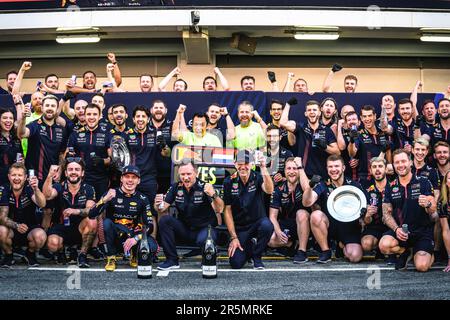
x,y
131,169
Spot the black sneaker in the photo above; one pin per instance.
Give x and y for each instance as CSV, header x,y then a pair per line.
x,y
31,258
82,261
73,256
258,264
18,252
403,259
47,255
300,257
61,258
339,252
7,261
95,254
324,257
193,253
391,259
379,255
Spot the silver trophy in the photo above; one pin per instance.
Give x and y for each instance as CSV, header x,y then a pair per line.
x,y
120,152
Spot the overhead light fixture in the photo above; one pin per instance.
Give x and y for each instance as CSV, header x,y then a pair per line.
x,y
435,34
77,29
435,37
316,35
78,38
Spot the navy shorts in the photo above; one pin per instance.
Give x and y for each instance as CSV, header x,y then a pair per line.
x,y
291,225
374,231
70,234
21,239
345,232
419,241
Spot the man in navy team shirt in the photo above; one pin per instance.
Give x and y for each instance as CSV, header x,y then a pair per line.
x,y
314,140
47,140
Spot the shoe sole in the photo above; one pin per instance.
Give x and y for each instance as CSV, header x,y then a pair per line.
x,y
323,261
301,262
84,266
169,268
5,267
258,268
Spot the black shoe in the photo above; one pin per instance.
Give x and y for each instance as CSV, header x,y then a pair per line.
x,y
7,261
31,258
391,259
339,252
19,253
379,255
193,253
403,259
73,256
324,257
82,261
95,254
47,255
61,258
300,257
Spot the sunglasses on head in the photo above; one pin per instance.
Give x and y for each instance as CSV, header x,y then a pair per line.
x,y
73,159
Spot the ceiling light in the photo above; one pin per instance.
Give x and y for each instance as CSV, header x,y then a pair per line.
x,y
435,37
79,38
316,35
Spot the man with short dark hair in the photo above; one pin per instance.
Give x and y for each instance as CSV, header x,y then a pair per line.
x,y
146,82
323,225
10,79
248,83
210,83
120,116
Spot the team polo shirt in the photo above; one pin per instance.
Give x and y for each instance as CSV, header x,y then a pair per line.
x,y
375,196
288,203
164,164
314,158
208,140
246,201
429,173
143,151
403,134
194,206
21,209
250,137
9,148
88,142
74,201
369,146
45,143
34,116
405,205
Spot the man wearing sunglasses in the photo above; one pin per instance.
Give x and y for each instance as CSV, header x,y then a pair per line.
x,y
127,212
74,199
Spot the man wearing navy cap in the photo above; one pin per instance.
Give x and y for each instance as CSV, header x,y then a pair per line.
x,y
245,213
127,212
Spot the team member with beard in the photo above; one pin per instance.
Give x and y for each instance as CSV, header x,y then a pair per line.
x,y
92,143
442,156
75,198
409,200
143,146
424,124
198,206
276,110
145,82
329,110
276,154
47,139
249,134
10,79
368,142
215,113
323,225
248,83
374,228
178,86
350,81
163,128
120,117
287,212
422,169
440,130
210,83
403,127
346,126
18,222
314,140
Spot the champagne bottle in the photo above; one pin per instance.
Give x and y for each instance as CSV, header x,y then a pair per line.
x,y
144,269
209,257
